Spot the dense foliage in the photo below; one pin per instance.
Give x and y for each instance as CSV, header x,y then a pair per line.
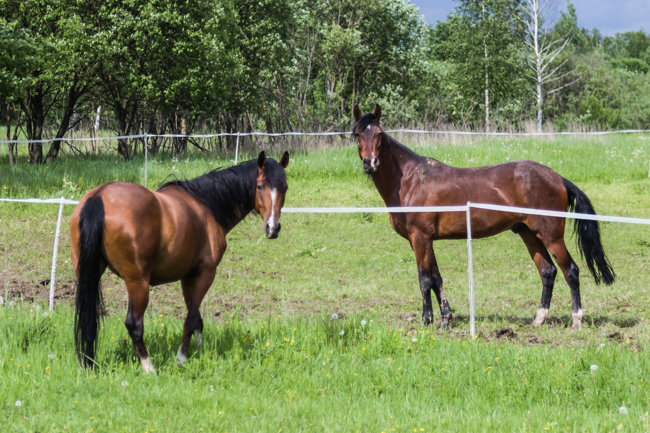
x,y
163,66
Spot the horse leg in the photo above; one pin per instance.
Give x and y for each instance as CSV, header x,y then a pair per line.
x,y
571,275
194,289
429,277
138,300
547,272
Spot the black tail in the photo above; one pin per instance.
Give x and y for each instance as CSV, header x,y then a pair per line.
x,y
88,303
588,232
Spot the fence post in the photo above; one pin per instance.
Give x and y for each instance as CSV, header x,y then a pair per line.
x,y
54,253
236,147
470,274
146,162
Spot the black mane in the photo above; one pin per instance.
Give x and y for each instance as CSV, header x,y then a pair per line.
x,y
228,193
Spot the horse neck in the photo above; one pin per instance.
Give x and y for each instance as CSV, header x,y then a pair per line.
x,y
393,160
230,194
244,204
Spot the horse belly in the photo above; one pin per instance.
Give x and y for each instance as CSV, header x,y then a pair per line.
x,y
453,225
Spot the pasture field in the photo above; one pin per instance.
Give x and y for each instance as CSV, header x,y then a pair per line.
x,y
274,359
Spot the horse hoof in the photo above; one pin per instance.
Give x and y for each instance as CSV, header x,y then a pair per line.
x,y
147,366
577,321
542,315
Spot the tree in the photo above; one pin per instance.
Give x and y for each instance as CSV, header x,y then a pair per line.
x,y
17,62
543,54
58,70
482,39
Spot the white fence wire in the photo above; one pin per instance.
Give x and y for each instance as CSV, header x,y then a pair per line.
x,y
237,135
347,210
340,210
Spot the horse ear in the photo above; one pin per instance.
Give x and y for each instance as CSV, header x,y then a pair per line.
x,y
261,159
377,113
284,161
357,113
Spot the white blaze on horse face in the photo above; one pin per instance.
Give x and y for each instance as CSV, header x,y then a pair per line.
x,y
272,218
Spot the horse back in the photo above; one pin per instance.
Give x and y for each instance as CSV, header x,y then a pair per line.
x,y
518,183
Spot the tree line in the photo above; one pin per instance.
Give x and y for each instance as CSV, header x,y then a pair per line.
x,y
182,67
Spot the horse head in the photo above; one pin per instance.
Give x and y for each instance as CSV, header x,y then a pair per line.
x,y
369,136
270,192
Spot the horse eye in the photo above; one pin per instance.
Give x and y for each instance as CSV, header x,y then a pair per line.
x,y
259,187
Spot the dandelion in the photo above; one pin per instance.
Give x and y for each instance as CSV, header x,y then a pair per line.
x,y
414,340
335,316
12,303
125,383
619,427
19,403
593,367
622,410
342,332
363,322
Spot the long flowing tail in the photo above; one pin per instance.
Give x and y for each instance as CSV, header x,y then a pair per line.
x,y
88,302
588,232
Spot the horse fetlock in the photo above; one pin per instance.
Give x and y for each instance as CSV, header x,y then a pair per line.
x,y
180,356
577,320
542,315
147,365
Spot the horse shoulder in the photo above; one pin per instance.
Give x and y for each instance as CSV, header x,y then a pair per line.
x,y
189,225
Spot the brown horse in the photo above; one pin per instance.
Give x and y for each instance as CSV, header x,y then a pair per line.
x,y
404,178
175,233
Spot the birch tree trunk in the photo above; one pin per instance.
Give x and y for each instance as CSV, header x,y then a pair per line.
x,y
542,57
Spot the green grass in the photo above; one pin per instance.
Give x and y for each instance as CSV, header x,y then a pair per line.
x,y
373,377
316,375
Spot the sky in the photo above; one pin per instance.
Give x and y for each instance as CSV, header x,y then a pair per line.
x,y
608,16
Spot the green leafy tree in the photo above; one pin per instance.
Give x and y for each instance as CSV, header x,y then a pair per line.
x,y
18,59
483,41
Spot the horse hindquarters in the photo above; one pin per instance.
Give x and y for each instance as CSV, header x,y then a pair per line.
x,y
89,269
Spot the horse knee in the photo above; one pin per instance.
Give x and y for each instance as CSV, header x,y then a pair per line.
x,y
193,321
548,274
574,271
430,281
135,328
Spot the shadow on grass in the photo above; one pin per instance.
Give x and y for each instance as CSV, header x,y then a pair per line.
x,y
590,320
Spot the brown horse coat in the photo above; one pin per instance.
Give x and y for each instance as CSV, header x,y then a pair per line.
x,y
153,237
404,178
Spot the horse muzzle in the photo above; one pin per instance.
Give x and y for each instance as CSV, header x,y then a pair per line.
x,y
370,165
272,231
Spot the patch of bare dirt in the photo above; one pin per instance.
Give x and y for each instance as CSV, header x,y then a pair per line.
x,y
504,334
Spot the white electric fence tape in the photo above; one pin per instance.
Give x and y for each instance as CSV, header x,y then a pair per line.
x,y
347,210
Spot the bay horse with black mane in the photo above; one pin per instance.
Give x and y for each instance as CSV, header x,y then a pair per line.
x,y
153,237
404,178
